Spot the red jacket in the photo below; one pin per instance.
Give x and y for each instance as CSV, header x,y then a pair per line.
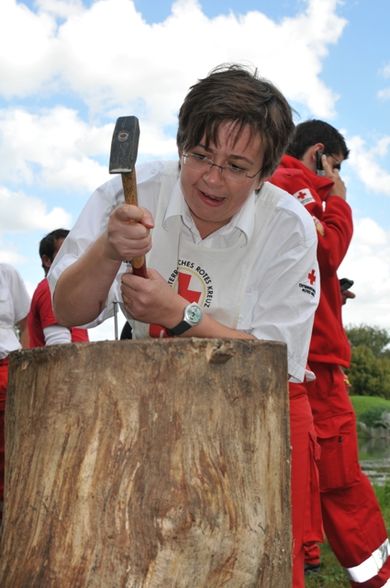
x,y
333,218
41,316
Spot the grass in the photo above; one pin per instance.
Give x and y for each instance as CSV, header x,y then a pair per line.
x,y
363,404
331,574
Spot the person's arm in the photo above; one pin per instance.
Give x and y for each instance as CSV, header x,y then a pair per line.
x,y
335,239
336,222
57,335
23,333
154,301
82,289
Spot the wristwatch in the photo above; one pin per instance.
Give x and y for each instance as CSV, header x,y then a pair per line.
x,y
192,316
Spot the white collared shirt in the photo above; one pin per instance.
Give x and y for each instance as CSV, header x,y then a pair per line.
x,y
280,298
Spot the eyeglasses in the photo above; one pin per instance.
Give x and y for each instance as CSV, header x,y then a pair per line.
x,y
199,162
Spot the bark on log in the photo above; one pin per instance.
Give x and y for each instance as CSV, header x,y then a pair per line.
x,y
152,464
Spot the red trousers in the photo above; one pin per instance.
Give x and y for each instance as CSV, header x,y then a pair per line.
x,y
3,391
305,500
352,519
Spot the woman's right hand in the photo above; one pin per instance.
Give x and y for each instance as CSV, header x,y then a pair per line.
x,y
128,233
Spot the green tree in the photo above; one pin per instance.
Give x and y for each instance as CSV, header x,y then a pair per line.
x,y
369,373
372,337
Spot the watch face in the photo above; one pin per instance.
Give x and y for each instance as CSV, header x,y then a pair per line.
x,y
193,314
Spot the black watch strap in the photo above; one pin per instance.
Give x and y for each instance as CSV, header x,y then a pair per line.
x,y
192,317
179,329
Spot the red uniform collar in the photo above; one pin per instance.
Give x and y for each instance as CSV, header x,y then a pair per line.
x,y
295,166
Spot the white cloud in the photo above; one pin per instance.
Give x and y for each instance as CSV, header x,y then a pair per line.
x,y
57,149
106,331
130,73
54,148
67,48
386,71
22,213
71,53
367,263
366,162
27,50
8,255
60,8
384,94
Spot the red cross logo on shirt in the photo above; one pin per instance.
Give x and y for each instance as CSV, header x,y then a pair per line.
x,y
301,195
183,289
183,283
312,276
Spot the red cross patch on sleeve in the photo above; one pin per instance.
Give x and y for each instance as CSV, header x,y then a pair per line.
x,y
304,196
308,286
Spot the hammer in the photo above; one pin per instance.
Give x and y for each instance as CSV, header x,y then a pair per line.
x,y
124,149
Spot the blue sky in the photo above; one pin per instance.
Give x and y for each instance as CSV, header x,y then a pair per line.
x,y
69,68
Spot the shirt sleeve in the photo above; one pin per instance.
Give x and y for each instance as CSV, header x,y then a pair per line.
x,y
284,297
337,234
56,335
89,226
20,296
93,221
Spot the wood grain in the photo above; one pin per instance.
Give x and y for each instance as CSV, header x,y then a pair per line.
x,y
173,474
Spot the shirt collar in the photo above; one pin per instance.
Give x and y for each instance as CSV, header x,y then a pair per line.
x,y
243,221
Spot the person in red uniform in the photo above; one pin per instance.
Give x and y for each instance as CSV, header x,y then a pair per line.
x,y
352,519
312,549
43,327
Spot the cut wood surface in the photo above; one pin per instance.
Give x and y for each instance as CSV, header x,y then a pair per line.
x,y
153,464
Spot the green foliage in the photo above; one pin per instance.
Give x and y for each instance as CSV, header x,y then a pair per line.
x,y
362,404
373,338
369,373
383,495
372,417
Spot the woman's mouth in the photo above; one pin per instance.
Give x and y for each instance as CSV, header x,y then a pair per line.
x,y
211,199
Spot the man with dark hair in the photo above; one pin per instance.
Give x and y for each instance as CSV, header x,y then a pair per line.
x,y
43,327
50,245
232,255
351,515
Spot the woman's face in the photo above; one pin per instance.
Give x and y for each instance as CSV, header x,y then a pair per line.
x,y
214,195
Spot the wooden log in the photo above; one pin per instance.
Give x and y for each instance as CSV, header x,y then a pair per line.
x,y
152,464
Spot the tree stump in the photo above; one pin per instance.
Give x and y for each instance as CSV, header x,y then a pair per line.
x,y
152,464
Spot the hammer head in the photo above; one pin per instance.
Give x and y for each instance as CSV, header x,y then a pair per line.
x,y
124,145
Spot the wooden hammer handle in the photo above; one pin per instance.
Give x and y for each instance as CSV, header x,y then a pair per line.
x,y
129,183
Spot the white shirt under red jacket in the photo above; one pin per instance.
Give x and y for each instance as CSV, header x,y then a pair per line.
x,y
333,219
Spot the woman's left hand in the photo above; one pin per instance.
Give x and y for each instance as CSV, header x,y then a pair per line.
x,y
152,300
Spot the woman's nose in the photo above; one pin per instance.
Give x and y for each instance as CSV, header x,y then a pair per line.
x,y
214,173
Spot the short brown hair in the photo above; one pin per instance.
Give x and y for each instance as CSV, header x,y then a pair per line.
x,y
314,131
232,92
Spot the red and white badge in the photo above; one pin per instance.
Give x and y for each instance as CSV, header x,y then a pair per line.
x,y
308,286
304,196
